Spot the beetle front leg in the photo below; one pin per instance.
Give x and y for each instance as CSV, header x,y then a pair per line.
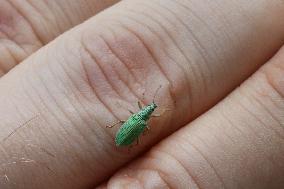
x,y
139,105
130,112
110,126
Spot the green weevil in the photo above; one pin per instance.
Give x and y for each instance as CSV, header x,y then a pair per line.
x,y
135,125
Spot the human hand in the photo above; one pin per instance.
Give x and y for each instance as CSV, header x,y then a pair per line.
x,y
55,104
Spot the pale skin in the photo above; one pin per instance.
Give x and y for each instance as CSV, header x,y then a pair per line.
x,y
199,51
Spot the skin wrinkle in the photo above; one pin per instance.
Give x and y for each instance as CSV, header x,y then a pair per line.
x,y
161,175
157,35
243,106
64,13
90,117
271,83
3,69
274,102
224,21
119,59
218,140
70,144
176,44
57,10
42,102
109,110
198,17
226,117
116,53
255,116
194,178
77,97
42,117
123,62
153,58
78,113
35,9
159,171
51,18
152,19
83,135
14,131
168,34
197,44
42,22
194,181
256,98
97,62
14,42
88,81
40,40
187,58
173,158
94,92
227,24
254,131
141,100
7,35
208,162
226,134
6,70
91,84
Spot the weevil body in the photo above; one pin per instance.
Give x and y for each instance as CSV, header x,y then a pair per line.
x,y
134,126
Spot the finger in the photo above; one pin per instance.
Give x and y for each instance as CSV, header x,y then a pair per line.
x,y
72,85
237,144
25,26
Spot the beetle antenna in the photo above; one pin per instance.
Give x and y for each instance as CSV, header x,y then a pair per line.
x,y
156,93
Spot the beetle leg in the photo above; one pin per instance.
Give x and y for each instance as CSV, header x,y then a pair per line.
x,y
147,127
129,148
146,130
137,141
130,112
139,105
120,121
158,115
